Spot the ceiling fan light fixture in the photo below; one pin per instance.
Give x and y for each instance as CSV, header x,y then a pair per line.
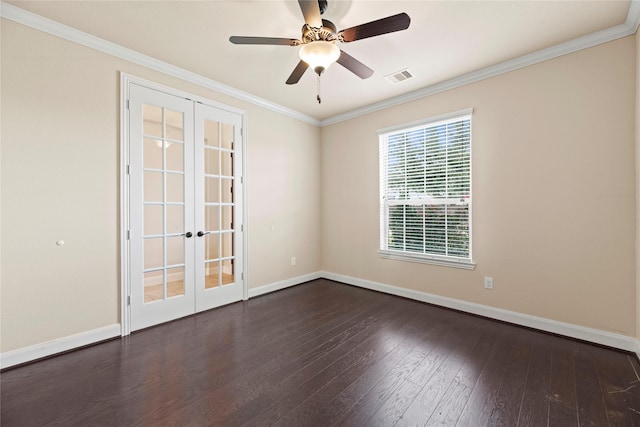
x,y
319,55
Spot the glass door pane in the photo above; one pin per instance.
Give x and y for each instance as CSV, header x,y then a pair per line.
x,y
216,135
164,199
212,170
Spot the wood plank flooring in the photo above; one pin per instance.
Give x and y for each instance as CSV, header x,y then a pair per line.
x,y
323,354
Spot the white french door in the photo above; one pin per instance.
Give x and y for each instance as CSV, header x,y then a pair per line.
x,y
217,207
185,207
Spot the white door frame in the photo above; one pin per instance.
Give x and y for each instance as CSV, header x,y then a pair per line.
x,y
125,272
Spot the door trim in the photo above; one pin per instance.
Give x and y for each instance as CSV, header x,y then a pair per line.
x,y
125,271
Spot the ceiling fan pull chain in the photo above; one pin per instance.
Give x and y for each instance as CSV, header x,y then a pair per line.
x,y
318,96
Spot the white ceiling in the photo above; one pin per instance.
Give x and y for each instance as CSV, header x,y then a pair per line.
x,y
446,39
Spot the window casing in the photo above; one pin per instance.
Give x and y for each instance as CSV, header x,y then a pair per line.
x,y
425,191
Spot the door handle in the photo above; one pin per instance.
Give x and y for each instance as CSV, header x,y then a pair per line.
x,y
202,233
188,234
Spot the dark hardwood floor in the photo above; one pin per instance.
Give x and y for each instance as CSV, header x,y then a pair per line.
x,y
323,354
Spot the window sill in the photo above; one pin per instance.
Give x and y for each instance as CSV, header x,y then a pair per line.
x,y
428,259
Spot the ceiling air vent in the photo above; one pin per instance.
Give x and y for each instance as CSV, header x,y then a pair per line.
x,y
399,76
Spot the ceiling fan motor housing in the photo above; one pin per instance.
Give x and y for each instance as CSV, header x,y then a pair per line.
x,y
326,33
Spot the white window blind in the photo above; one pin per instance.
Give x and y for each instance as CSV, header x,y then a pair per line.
x,y
425,191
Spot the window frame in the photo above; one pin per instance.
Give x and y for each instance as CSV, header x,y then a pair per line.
x,y
403,255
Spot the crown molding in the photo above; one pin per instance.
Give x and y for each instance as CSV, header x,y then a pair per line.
x,y
628,28
633,17
57,29
49,26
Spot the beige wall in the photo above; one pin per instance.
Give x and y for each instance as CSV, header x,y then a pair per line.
x,y
60,180
553,191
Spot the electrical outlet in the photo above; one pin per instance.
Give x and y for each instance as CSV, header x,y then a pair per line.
x,y
488,282
293,260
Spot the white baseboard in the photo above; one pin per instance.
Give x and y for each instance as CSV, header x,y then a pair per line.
x,y
596,336
265,289
622,342
34,352
38,351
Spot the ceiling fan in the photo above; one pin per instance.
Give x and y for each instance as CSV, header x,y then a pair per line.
x,y
318,42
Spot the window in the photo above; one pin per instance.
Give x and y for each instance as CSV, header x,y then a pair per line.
x,y
425,191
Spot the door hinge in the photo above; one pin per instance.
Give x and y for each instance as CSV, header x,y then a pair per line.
x,y
128,299
127,104
128,170
241,227
128,234
241,180
241,276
